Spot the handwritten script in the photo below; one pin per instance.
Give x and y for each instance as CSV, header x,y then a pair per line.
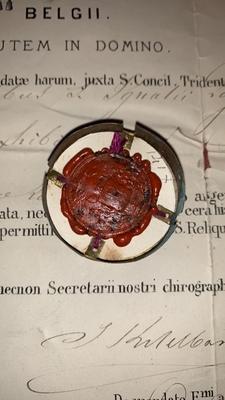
x,y
108,336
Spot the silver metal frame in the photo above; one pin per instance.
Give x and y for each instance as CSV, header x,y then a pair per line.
x,y
156,141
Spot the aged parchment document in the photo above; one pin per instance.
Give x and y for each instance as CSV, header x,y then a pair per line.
x,y
73,328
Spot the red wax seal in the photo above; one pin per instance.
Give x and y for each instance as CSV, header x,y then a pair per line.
x,y
109,195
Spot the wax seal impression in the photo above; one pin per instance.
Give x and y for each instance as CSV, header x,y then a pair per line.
x,y
113,194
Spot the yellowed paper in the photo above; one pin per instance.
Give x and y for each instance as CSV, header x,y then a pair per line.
x,y
73,328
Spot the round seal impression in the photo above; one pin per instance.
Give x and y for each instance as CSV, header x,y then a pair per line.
x,y
108,194
113,194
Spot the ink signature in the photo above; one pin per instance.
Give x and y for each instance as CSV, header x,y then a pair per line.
x,y
149,338
135,336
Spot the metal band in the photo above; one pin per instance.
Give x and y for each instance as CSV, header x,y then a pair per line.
x,y
154,139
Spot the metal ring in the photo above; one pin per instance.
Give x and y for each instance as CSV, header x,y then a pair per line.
x,y
155,140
